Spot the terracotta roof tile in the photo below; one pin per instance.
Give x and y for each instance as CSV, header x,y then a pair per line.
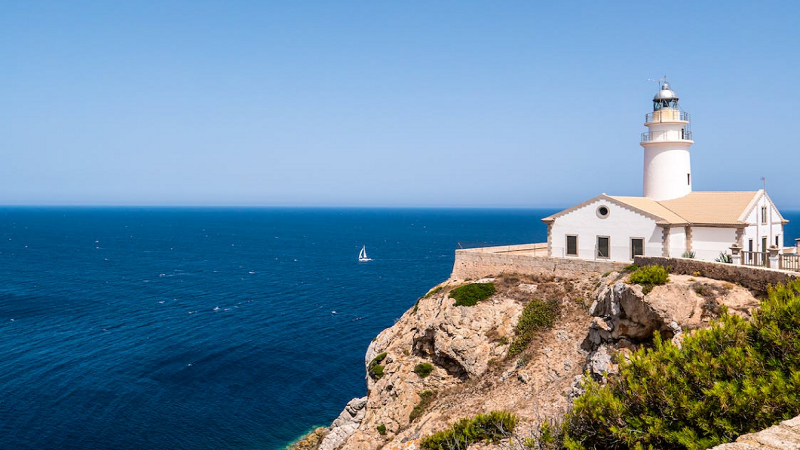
x,y
711,208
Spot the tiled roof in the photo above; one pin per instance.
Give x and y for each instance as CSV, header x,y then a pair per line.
x,y
653,207
708,208
697,208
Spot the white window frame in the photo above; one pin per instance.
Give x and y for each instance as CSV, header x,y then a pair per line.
x,y
597,248
643,246
566,245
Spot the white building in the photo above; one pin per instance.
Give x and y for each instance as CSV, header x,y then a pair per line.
x,y
669,219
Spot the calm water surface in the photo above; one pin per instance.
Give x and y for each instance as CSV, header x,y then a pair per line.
x,y
204,328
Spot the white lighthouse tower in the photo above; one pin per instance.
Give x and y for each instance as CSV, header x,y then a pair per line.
x,y
667,165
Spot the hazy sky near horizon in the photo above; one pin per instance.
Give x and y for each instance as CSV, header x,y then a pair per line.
x,y
405,103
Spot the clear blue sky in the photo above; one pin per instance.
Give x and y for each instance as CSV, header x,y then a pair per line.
x,y
373,103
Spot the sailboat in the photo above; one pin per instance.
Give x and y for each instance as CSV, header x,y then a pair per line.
x,y
362,255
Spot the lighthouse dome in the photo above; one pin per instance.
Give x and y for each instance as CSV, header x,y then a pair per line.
x,y
666,94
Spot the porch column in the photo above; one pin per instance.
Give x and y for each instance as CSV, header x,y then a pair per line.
x,y
774,260
736,257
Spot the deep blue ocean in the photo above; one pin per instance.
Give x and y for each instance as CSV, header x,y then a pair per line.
x,y
209,328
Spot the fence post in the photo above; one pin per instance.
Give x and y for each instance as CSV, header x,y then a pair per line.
x,y
736,257
774,260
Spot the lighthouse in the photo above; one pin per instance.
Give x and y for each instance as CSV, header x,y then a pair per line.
x,y
667,165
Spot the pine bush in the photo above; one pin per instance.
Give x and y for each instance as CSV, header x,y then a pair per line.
x,y
489,428
733,378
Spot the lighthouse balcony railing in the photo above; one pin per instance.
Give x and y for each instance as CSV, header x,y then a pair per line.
x,y
648,136
666,115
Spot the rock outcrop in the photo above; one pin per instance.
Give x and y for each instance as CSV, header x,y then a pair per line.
x,y
624,317
345,425
468,346
784,436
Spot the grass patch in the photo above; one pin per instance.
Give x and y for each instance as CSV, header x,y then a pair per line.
x,y
434,291
471,294
423,369
733,378
489,428
375,369
425,400
381,429
537,315
648,277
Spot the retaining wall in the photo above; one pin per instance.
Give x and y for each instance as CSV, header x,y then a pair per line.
x,y
528,259
756,278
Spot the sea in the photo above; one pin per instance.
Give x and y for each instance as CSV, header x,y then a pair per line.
x,y
180,328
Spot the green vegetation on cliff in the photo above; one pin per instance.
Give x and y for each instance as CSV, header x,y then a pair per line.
x,y
490,427
733,378
471,294
425,400
375,369
649,276
537,315
423,369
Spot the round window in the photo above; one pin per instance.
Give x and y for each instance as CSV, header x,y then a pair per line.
x,y
603,212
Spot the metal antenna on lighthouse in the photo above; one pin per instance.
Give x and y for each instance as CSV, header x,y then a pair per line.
x,y
660,81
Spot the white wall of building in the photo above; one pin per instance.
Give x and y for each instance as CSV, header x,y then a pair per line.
x,y
620,226
709,242
677,242
758,230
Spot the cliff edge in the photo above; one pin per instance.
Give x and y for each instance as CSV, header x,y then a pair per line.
x,y
441,362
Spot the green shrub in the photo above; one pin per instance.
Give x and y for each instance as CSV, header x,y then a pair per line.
x,y
490,428
434,291
471,294
537,315
375,369
381,429
631,268
425,400
688,254
423,369
649,276
733,378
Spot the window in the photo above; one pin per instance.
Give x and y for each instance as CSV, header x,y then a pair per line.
x,y
602,211
750,245
763,214
777,240
572,245
689,179
637,247
764,244
603,246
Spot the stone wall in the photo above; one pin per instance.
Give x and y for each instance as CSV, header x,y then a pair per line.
x,y
527,259
756,278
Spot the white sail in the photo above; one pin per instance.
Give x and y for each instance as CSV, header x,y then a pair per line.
x,y
362,255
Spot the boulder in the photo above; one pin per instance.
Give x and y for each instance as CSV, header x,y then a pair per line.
x,y
345,425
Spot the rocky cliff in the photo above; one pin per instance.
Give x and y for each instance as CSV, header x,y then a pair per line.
x,y
600,318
